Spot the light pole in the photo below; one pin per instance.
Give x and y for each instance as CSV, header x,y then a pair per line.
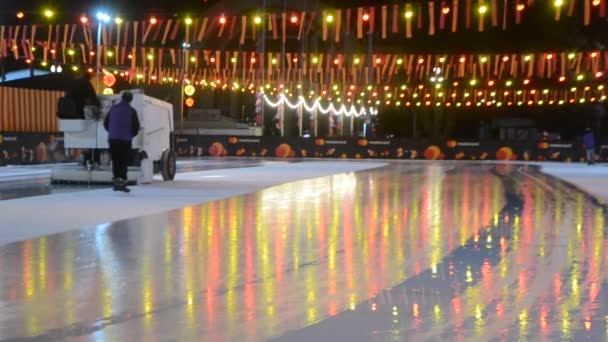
x,y
101,19
185,47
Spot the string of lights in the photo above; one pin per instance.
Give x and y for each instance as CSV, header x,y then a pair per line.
x,y
316,106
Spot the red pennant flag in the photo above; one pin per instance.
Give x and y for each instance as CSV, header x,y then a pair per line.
x,y
324,26
275,31
175,30
395,19
338,26
284,26
455,15
201,32
494,13
431,18
348,20
372,19
481,20
166,33
359,23
408,21
517,14
571,8
232,28
135,32
384,13
442,15
468,14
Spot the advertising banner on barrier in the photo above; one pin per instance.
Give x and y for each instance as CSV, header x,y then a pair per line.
x,y
40,148
34,148
362,148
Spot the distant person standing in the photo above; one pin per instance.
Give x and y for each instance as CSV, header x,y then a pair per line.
x,y
589,143
82,93
122,125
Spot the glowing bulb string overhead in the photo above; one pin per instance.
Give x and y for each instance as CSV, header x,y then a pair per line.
x,y
564,66
502,15
316,106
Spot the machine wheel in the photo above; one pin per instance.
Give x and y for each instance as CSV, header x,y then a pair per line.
x,y
168,165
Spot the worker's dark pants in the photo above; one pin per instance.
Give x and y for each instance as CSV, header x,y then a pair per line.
x,y
120,151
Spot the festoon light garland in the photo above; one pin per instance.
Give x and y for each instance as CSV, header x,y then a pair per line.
x,y
342,110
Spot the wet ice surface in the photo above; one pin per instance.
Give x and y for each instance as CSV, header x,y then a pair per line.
x,y
405,252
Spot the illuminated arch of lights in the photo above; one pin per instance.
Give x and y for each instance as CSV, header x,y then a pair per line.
x,y
316,105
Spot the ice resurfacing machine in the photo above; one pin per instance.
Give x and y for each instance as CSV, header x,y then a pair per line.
x,y
152,146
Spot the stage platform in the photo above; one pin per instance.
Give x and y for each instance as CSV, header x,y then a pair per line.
x,y
313,250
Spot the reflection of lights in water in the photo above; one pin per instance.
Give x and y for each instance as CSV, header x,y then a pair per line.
x,y
565,323
69,313
504,267
574,285
190,301
434,209
187,245
480,322
437,312
233,265
523,324
147,299
42,262
312,314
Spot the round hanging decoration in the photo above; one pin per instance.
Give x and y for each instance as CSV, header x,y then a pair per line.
x,y
189,90
109,80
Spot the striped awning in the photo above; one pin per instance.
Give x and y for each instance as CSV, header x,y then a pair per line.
x,y
28,110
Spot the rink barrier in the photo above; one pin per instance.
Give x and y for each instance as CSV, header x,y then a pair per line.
x,y
363,148
39,148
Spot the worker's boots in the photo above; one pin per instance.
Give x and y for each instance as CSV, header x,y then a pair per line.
x,y
121,185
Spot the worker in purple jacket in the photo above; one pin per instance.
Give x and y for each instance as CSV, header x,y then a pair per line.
x,y
589,142
122,125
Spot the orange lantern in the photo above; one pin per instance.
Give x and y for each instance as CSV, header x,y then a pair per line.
x,y
189,102
109,80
